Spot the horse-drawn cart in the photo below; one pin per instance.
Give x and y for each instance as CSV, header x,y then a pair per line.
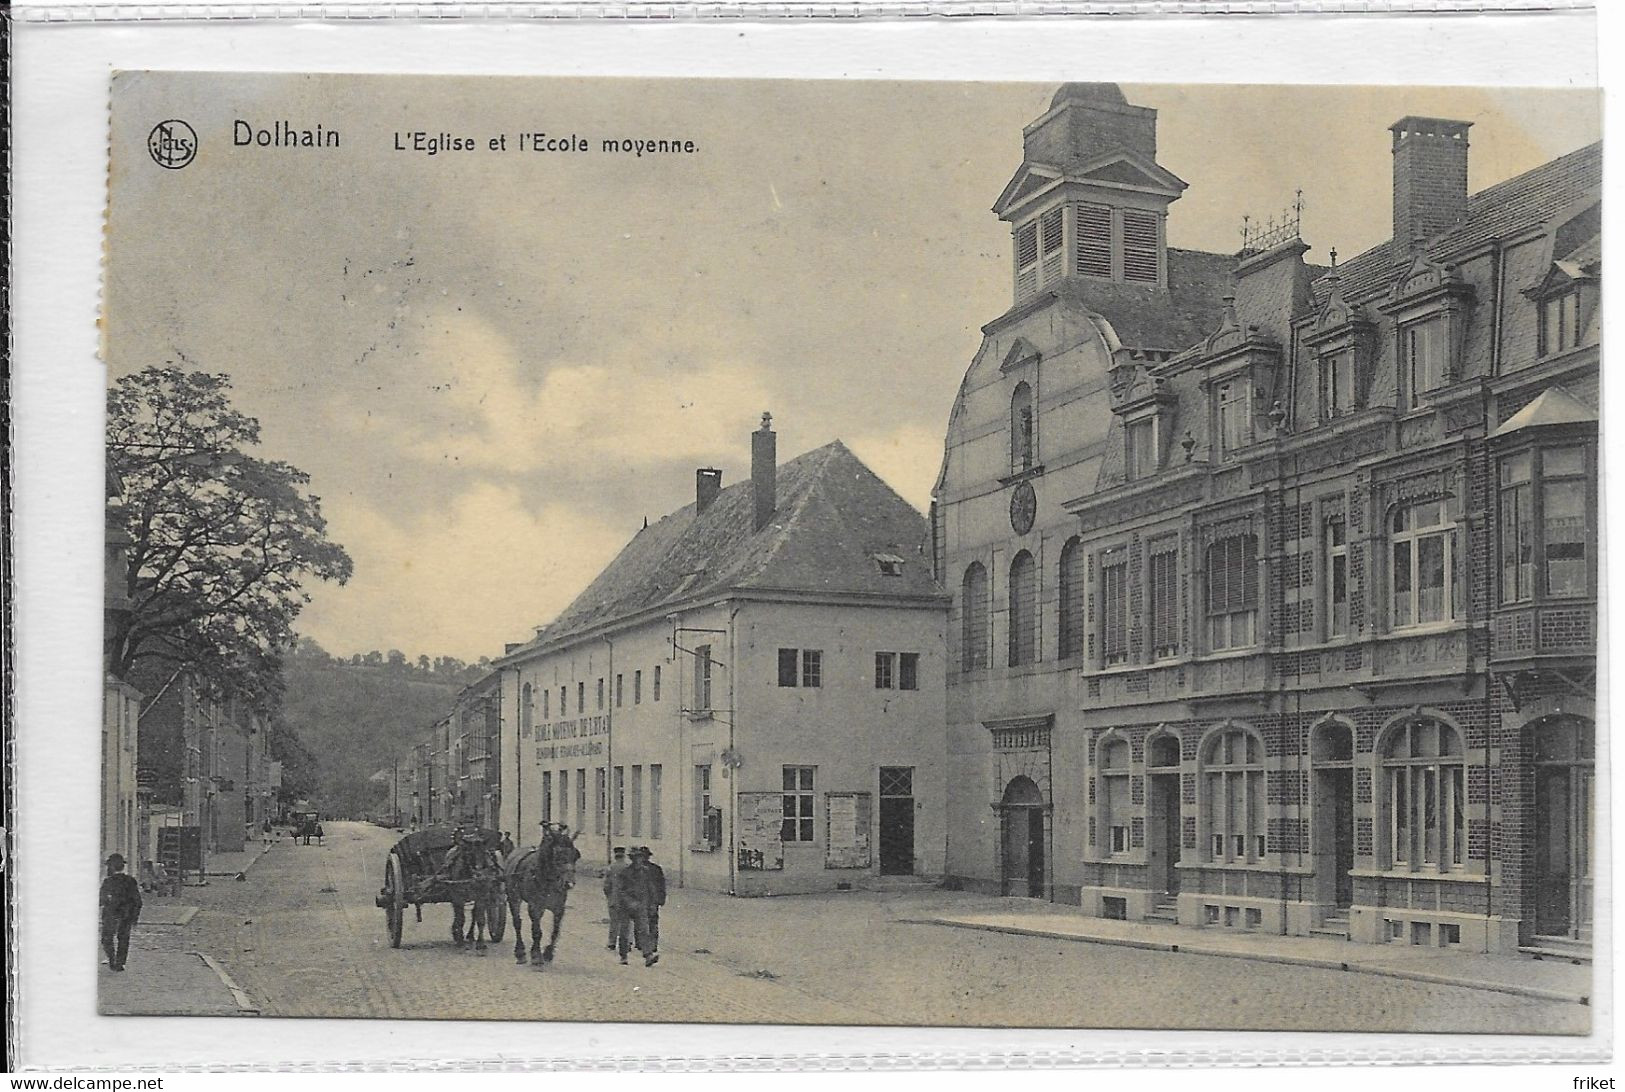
x,y
415,873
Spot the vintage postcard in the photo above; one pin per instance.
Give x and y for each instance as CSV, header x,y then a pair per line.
x,y
842,552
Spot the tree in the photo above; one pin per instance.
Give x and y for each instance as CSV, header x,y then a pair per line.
x,y
299,773
221,542
423,663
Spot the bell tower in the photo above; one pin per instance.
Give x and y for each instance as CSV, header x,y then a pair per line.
x,y
1089,200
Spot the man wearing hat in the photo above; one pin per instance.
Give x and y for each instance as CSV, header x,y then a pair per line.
x,y
121,909
617,921
654,884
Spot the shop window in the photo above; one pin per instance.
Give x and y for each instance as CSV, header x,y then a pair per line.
x,y
1163,585
1423,544
1424,792
1232,593
1023,609
1114,607
798,804
1071,605
973,618
1116,794
1234,786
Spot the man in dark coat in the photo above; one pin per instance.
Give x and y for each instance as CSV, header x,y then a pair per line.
x,y
627,891
121,909
655,897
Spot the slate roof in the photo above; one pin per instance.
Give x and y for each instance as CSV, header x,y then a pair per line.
x,y
1553,406
1146,317
833,515
1516,203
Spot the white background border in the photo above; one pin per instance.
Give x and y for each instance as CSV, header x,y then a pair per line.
x,y
59,103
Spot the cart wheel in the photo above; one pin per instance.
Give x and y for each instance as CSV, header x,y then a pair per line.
x,y
395,912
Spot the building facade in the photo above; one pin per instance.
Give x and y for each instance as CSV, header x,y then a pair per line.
x,y
1275,584
754,688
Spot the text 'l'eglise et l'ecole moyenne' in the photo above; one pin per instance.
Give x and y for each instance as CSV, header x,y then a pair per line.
x,y
1255,594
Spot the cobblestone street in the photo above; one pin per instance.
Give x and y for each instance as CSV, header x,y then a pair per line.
x,y
302,937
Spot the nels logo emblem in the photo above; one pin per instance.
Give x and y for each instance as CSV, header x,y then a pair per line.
x,y
172,144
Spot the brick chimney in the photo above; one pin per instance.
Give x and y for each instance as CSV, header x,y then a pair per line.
x,y
1430,177
764,470
707,484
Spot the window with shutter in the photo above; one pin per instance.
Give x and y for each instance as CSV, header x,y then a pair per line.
x,y
1114,607
1164,584
1140,247
1026,259
1053,244
1094,231
1232,592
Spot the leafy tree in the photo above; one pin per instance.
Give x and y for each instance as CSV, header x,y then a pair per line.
x,y
423,664
397,660
221,542
373,658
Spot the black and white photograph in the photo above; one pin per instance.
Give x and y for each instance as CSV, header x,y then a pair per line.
x,y
851,552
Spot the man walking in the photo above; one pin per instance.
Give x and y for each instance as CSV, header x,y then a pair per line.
x,y
121,909
628,893
654,882
615,923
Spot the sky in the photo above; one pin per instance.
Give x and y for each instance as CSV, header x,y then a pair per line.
x,y
495,364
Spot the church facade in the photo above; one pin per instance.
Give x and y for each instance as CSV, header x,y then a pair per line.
x,y
1274,584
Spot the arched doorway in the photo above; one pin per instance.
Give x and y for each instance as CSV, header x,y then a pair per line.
x,y
1331,753
1163,813
1022,818
1564,756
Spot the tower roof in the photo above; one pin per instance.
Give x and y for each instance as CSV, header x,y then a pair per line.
x,y
1094,93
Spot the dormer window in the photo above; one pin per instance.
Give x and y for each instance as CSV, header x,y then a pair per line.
x,y
889,564
1427,357
1560,322
1141,448
1230,411
1336,384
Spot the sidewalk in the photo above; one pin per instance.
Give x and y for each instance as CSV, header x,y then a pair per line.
x,y
1545,979
166,976
230,864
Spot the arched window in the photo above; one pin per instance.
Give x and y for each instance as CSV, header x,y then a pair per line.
x,y
1424,789
1233,776
1232,592
1116,794
1023,609
1423,544
1071,592
973,618
527,711
1022,453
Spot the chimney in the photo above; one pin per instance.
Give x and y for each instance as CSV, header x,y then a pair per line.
x,y
764,470
707,484
1430,177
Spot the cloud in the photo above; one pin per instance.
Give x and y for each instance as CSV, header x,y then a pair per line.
x,y
481,406
487,569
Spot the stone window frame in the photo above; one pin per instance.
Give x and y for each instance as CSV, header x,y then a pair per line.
x,y
1023,630
1253,776
1113,556
975,617
1447,529
1071,589
1453,821
1106,777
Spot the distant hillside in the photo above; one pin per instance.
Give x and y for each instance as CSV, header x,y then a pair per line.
x,y
357,715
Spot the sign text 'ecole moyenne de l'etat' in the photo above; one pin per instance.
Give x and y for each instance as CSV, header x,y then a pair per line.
x,y
571,729
285,134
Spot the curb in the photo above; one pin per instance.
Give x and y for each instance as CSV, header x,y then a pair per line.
x,y
1534,992
244,1003
244,870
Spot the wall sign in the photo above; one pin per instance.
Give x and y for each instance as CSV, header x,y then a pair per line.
x,y
761,823
847,826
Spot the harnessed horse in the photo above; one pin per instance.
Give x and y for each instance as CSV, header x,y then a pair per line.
x,y
541,877
475,873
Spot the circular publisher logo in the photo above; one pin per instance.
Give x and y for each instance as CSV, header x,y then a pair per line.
x,y
172,144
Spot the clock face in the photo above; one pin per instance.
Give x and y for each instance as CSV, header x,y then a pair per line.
x,y
1023,507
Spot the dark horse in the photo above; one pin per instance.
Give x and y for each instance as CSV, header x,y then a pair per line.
x,y
476,877
541,876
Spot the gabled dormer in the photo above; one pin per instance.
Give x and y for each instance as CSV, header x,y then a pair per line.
x,y
1343,346
1428,303
1145,405
1241,374
1089,199
1566,299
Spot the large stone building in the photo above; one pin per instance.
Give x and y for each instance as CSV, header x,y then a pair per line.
x,y
1275,584
754,687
